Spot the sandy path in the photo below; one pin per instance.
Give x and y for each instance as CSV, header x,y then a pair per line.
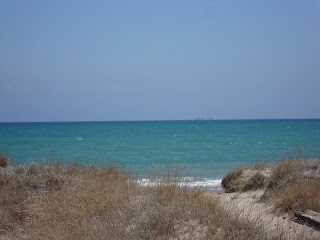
x,y
246,204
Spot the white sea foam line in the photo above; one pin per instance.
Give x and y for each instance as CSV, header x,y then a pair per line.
x,y
187,181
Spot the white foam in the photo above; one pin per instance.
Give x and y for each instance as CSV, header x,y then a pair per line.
x,y
80,139
216,183
148,183
211,184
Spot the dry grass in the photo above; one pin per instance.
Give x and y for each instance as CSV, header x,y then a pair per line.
x,y
294,184
283,172
245,179
231,181
4,160
297,196
18,186
256,181
52,201
259,166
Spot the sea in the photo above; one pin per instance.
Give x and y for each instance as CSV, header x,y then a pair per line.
x,y
203,150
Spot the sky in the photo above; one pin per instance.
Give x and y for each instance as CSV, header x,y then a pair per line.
x,y
159,60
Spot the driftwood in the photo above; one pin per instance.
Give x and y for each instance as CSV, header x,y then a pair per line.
x,y
310,217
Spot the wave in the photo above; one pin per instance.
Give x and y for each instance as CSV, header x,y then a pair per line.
x,y
207,183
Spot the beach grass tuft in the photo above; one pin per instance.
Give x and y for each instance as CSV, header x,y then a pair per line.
x,y
245,179
4,160
230,182
294,184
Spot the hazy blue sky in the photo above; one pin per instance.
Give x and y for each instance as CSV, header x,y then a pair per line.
x,y
156,60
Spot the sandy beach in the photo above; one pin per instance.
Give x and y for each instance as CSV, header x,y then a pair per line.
x,y
275,223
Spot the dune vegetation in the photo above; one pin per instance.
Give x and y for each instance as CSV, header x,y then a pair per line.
x,y
292,184
53,201
76,201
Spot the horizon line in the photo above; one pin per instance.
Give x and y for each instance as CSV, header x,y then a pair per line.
x,y
172,120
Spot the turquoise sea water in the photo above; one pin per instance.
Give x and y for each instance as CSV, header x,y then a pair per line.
x,y
206,149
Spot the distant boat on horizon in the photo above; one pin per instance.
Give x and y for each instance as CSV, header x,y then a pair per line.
x,y
203,119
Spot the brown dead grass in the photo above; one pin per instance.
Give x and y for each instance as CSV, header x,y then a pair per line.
x,y
283,172
256,181
294,184
53,201
4,160
297,196
231,181
259,166
245,179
